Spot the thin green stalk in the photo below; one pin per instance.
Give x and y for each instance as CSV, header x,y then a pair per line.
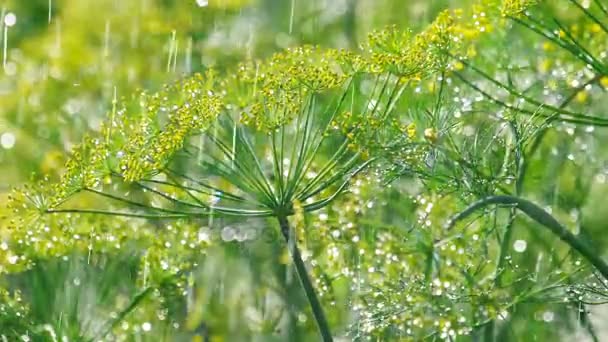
x,y
584,121
134,203
518,94
506,237
601,6
521,174
211,189
311,295
116,213
124,313
542,217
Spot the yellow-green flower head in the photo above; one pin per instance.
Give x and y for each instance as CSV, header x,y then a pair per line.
x,y
398,52
270,93
143,133
516,7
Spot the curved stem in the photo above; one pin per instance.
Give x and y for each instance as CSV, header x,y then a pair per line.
x,y
311,295
542,217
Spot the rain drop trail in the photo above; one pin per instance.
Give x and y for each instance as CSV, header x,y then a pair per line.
x,y
106,40
4,35
50,10
188,57
210,219
255,79
112,115
175,52
190,293
9,19
146,270
57,50
201,145
3,39
234,143
171,47
293,9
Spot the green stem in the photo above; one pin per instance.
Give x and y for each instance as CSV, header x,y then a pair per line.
x,y
311,295
488,331
124,313
542,217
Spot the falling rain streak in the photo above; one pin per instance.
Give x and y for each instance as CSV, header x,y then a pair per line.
x,y
9,20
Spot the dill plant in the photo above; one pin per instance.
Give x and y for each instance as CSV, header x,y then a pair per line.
x,y
316,141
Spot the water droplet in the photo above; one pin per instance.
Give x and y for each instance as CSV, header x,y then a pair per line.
x,y
7,140
10,19
204,235
520,246
202,3
228,233
164,265
146,326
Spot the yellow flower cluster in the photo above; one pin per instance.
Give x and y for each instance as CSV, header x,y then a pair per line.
x,y
273,91
83,169
142,136
516,7
422,55
189,108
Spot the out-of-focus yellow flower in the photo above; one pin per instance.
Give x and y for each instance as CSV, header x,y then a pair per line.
x,y
471,51
411,130
430,134
604,81
574,28
552,84
516,7
582,96
544,65
52,161
284,258
216,338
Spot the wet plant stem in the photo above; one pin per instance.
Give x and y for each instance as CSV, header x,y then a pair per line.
x,y
311,295
542,217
